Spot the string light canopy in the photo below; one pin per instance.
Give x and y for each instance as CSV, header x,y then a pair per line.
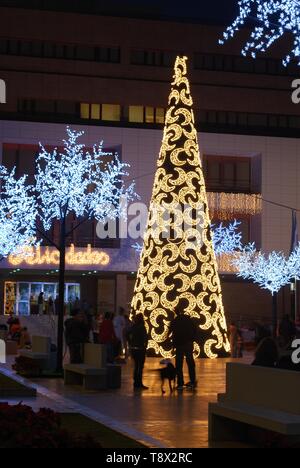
x,y
175,272
226,206
274,18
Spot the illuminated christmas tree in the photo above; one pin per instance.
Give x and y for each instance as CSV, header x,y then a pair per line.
x,y
178,267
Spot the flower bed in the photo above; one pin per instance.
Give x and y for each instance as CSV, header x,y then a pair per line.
x,y
21,427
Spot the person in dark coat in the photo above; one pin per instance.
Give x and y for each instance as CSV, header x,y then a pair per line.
x,y
77,333
287,331
266,355
183,333
138,342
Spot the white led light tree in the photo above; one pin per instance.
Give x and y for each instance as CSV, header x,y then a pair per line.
x,y
17,214
227,239
271,272
79,183
274,18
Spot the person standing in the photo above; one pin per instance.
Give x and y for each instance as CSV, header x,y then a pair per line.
x,y
119,327
107,336
234,337
77,333
287,331
183,332
138,342
56,305
41,303
51,307
128,325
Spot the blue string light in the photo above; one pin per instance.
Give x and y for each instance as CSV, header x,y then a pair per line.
x,y
275,18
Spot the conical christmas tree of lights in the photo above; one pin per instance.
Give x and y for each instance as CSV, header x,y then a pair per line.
x,y
178,267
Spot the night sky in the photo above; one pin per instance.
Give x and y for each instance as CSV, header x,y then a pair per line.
x,y
212,11
207,11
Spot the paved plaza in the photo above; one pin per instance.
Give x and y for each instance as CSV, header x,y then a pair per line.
x,y
170,420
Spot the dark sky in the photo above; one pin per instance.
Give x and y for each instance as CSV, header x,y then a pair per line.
x,y
219,11
212,11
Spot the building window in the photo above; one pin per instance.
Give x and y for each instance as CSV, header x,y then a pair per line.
x,y
155,58
85,53
238,64
95,111
111,112
160,115
21,298
84,111
136,114
62,51
227,174
149,114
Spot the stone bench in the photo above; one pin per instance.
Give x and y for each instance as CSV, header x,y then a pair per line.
x,y
256,397
94,373
41,352
11,348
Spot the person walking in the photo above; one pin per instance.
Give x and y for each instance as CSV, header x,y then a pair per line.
x,y
183,333
138,342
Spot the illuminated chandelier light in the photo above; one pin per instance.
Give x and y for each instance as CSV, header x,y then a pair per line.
x,y
274,18
171,274
226,206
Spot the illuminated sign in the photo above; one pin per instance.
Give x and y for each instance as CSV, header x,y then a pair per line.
x,y
2,92
47,256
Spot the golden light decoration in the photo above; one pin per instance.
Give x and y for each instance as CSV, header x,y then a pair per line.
x,y
227,206
175,272
50,256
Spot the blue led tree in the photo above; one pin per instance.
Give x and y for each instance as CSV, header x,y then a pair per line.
x,y
274,18
17,214
227,239
271,272
79,183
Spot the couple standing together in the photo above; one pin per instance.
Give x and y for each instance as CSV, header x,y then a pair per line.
x,y
183,333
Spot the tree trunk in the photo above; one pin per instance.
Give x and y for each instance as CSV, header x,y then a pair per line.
x,y
274,315
61,297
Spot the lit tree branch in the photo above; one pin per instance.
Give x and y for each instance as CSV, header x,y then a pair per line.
x,y
271,272
17,214
79,182
275,18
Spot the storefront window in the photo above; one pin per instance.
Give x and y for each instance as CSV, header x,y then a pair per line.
x,y
21,298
